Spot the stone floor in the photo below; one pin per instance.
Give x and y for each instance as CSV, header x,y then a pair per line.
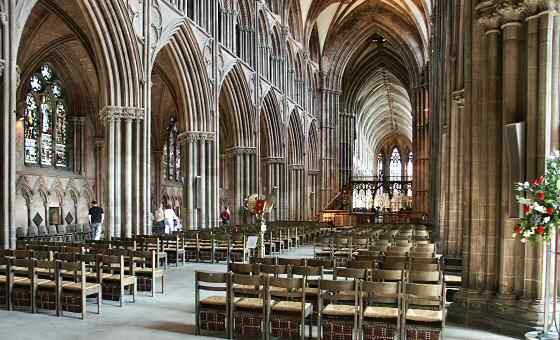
x,y
168,316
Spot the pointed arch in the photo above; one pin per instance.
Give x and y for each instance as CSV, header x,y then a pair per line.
x,y
271,126
237,121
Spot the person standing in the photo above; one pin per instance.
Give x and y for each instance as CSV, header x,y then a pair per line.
x,y
169,218
225,216
160,218
96,218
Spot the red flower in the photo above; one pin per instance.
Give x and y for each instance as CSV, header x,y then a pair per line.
x,y
518,229
550,211
539,230
539,181
540,196
526,208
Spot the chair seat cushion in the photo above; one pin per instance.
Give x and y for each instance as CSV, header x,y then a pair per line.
x,y
250,303
78,286
453,279
126,279
148,271
291,307
381,312
423,315
27,281
339,310
216,300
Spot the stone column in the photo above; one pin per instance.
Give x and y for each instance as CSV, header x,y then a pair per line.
x,y
512,112
110,156
127,178
202,190
100,177
80,147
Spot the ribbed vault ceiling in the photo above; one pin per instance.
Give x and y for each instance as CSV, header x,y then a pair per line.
x,y
375,51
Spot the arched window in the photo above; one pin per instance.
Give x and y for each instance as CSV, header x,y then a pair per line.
x,y
172,154
45,126
395,167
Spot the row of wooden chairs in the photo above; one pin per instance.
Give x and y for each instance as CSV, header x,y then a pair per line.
x,y
265,306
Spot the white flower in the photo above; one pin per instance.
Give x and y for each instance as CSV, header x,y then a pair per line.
x,y
523,240
546,220
514,235
523,200
539,208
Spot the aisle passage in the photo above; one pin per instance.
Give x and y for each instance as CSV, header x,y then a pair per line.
x,y
168,316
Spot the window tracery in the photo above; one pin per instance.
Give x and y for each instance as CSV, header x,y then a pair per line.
x,y
172,154
45,121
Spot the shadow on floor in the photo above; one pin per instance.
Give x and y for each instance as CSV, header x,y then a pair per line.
x,y
175,327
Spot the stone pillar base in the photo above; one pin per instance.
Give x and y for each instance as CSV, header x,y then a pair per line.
x,y
501,314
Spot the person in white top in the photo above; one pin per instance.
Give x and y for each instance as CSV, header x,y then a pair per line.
x,y
169,218
160,218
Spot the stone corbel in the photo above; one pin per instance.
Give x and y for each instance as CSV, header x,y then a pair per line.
x,y
512,11
459,97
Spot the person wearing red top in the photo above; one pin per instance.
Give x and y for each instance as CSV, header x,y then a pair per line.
x,y
225,216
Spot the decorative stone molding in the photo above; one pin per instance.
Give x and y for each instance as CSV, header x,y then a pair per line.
x,y
242,150
193,136
112,113
4,18
273,160
297,167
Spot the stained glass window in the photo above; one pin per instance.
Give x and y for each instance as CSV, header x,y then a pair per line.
x,y
172,154
395,167
45,120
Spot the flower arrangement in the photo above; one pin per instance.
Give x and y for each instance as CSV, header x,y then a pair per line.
x,y
258,206
541,208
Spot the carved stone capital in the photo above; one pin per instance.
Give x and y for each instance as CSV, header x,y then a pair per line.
x,y
113,113
297,167
512,11
195,136
273,160
241,150
490,21
78,120
2,66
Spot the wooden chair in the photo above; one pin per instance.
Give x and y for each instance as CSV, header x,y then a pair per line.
x,y
389,275
24,284
273,270
147,243
338,308
190,241
147,269
174,249
327,266
118,278
222,246
47,286
423,311
249,313
213,312
205,247
380,309
291,262
416,276
78,287
287,308
312,276
239,251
